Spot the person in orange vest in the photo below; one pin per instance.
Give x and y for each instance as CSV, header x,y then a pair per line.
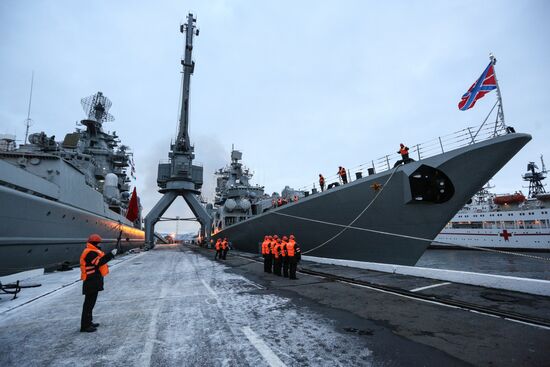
x,y
272,244
93,267
404,151
277,263
265,253
293,255
218,247
343,175
284,256
225,248
322,182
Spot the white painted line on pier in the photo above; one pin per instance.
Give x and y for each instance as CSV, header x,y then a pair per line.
x,y
150,338
210,290
270,357
429,286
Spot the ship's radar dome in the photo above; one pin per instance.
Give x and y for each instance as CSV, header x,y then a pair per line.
x,y
230,205
244,204
111,179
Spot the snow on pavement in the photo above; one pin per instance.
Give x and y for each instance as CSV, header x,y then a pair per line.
x,y
175,308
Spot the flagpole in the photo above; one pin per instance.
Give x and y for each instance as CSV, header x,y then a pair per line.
x,y
500,111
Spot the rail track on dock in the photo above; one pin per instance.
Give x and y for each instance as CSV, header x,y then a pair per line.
x,y
467,306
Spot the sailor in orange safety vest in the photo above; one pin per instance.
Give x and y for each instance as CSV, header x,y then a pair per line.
x,y
93,267
322,182
218,248
266,253
293,254
404,151
277,258
225,248
343,175
284,256
272,244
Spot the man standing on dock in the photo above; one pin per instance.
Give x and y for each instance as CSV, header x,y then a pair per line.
x,y
218,247
284,256
293,254
277,257
272,243
322,182
93,267
266,254
225,248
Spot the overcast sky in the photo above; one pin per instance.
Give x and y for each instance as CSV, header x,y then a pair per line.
x,y
300,87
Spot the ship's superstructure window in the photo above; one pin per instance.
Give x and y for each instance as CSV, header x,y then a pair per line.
x,y
468,225
509,224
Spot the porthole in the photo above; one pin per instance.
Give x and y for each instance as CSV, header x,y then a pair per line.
x,y
64,215
74,218
46,250
48,213
29,251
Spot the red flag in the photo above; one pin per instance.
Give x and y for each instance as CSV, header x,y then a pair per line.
x,y
133,210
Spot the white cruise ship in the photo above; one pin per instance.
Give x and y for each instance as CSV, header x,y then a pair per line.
x,y
510,221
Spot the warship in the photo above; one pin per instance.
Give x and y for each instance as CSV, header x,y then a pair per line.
x,y
55,194
387,216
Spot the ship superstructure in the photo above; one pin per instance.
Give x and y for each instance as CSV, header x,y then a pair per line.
x,y
506,221
55,193
237,199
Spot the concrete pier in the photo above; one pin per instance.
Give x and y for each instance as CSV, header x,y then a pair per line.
x,y
176,306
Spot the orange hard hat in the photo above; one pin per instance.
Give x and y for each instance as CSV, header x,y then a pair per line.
x,y
94,238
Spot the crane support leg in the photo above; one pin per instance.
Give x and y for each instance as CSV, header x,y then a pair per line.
x,y
153,216
200,213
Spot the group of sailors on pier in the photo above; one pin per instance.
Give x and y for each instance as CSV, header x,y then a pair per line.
x,y
222,247
281,254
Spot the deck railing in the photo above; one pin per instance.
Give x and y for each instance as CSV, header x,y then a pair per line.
x,y
430,148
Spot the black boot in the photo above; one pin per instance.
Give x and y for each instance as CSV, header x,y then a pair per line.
x,y
89,329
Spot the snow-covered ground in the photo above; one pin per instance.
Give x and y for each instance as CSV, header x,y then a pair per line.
x,y
170,308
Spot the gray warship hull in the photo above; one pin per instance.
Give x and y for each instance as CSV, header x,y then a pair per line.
x,y
38,233
318,219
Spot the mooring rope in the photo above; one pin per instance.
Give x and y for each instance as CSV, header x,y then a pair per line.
x,y
351,226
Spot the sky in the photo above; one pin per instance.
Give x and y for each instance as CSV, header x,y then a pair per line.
x,y
299,87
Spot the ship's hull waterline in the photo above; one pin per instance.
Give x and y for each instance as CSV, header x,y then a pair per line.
x,y
394,211
39,233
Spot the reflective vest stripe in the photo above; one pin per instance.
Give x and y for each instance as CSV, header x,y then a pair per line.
x,y
290,248
86,269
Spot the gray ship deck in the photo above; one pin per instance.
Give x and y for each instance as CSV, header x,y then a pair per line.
x,y
176,306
